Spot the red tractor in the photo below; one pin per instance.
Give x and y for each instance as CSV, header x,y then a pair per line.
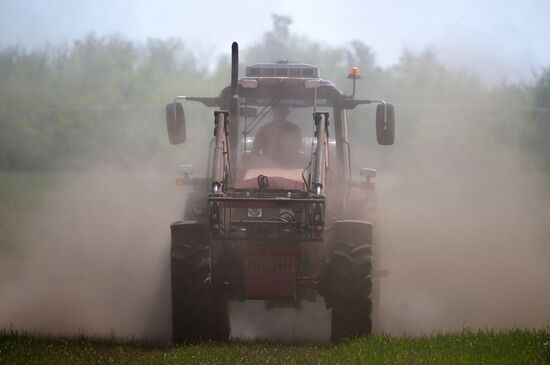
x,y
284,221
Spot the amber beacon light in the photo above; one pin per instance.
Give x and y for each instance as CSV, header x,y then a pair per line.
x,y
354,73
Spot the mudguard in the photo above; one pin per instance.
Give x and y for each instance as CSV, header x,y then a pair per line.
x,y
359,232
188,232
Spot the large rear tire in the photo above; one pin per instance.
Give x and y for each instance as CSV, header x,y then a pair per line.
x,y
350,284
199,312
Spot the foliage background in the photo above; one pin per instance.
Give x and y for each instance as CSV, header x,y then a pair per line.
x,y
100,99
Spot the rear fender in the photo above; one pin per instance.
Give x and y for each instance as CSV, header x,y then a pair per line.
x,y
355,232
344,235
188,233
196,207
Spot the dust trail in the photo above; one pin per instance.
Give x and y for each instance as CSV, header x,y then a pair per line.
x,y
96,262
96,259
308,325
464,228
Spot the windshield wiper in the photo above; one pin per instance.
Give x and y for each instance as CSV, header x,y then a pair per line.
x,y
263,112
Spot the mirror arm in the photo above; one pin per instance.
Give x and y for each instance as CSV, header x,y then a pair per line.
x,y
348,103
385,108
206,100
352,103
378,101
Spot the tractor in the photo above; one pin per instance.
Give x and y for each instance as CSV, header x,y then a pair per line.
x,y
284,233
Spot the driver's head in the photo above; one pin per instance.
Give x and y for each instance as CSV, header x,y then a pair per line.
x,y
280,112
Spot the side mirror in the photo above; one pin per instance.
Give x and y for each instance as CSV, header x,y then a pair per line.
x,y
385,124
175,123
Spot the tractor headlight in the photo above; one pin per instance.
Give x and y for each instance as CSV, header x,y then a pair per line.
x,y
254,212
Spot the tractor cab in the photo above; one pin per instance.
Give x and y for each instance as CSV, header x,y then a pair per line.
x,y
276,126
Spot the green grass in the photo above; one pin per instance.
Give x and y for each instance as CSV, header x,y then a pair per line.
x,y
468,347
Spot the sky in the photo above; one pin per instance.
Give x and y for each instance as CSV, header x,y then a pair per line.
x,y
495,40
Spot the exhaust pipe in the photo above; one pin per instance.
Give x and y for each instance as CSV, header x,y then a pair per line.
x,y
234,67
233,106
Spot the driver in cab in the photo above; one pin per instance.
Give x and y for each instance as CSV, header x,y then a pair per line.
x,y
279,141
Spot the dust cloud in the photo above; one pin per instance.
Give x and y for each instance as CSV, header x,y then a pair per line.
x,y
309,324
463,229
96,259
95,262
464,226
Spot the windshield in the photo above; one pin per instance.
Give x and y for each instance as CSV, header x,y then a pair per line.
x,y
277,142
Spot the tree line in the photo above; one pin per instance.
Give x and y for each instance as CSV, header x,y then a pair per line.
x,y
102,98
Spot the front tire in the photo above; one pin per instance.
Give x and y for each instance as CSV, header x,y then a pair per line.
x,y
199,312
350,284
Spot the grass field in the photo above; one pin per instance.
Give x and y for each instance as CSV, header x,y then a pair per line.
x,y
468,347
